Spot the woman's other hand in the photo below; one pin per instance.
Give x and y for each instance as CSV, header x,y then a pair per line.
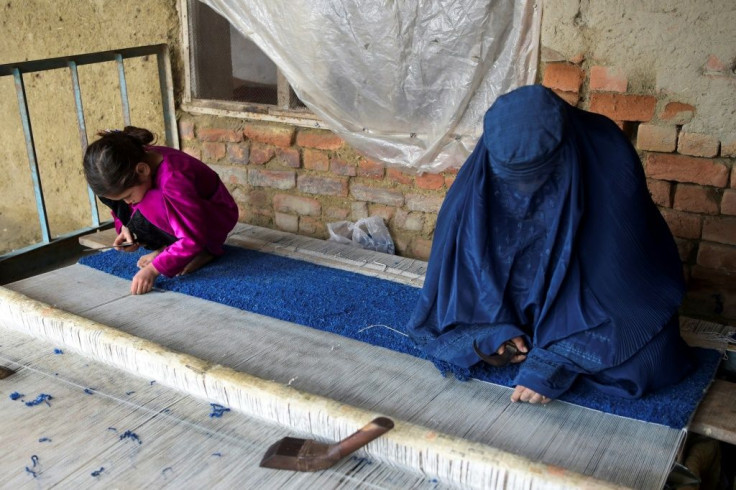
x,y
524,394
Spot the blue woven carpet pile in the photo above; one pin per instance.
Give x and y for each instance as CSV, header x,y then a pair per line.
x,y
358,306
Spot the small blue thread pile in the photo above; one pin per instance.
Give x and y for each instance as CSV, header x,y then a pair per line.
x,y
347,303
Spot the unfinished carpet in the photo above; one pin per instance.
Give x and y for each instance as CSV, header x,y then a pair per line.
x,y
375,311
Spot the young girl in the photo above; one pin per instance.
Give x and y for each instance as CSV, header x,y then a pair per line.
x,y
162,199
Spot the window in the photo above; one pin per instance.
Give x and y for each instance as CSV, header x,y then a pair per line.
x,y
227,71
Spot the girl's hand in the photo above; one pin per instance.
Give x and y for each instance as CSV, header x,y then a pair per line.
x,y
125,236
144,279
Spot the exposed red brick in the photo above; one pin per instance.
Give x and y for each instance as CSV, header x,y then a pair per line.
x,y
289,157
219,134
695,199
371,169
359,209
316,160
563,76
409,221
728,202
430,181
420,248
728,146
305,206
698,145
721,229
339,166
424,203
683,225
608,79
186,130
311,226
449,180
623,107
571,98
661,192
651,137
277,179
260,154
231,175
717,256
313,184
270,134
258,197
677,113
336,213
681,168
712,276
286,222
395,174
385,212
321,140
213,151
578,58
685,249
378,195
195,152
711,292
238,153
713,63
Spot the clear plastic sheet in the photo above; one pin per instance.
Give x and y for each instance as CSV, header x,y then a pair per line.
x,y
405,82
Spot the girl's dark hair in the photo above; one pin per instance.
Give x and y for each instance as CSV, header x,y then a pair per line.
x,y
110,161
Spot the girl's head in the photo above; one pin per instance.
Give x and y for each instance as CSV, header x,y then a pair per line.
x,y
111,164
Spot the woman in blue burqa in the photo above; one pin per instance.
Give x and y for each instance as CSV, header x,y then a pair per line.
x,y
549,251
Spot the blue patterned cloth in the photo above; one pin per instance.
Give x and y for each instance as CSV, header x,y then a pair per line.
x,y
549,233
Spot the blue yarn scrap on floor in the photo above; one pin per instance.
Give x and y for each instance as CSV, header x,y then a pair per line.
x,y
357,306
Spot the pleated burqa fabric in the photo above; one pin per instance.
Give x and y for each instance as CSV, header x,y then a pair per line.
x,y
549,233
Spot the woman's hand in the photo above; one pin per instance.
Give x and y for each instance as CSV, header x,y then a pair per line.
x,y
520,348
125,236
524,394
144,279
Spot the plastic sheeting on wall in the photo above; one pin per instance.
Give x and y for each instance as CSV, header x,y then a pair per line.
x,y
405,82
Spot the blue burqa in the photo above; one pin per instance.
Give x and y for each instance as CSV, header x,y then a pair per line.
x,y
549,233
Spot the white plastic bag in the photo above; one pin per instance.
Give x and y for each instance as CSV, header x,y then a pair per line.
x,y
369,233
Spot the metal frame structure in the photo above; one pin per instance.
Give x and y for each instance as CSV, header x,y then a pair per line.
x,y
17,70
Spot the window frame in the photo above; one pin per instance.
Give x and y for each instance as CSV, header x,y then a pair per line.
x,y
280,113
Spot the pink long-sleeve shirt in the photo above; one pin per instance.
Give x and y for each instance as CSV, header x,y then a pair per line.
x,y
188,200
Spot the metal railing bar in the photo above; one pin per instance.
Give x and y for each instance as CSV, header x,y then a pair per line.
x,y
72,234
123,89
83,134
31,150
82,59
167,98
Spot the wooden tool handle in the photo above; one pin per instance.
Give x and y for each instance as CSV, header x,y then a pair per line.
x,y
376,428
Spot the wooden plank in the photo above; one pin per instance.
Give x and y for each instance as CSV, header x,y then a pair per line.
x,y
716,416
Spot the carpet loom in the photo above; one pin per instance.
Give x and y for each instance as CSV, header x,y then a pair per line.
x,y
449,433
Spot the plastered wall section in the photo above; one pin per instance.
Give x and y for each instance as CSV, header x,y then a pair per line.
x,y
41,29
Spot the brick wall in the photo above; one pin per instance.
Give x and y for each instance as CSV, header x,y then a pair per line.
x,y
690,176
298,180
